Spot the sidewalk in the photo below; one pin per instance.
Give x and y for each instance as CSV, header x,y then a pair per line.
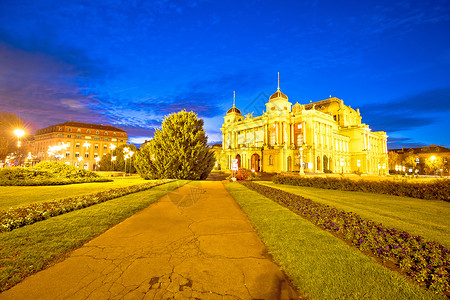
x,y
194,242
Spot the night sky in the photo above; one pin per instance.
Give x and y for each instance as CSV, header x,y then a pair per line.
x,y
130,63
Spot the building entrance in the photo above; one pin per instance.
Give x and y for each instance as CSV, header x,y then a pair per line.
x,y
255,162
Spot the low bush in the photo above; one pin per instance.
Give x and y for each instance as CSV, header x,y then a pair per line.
x,y
62,170
48,173
29,214
435,190
50,181
244,174
424,261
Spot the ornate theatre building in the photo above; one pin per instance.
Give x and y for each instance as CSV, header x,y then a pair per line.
x,y
319,137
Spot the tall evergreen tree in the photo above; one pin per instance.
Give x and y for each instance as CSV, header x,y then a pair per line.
x,y
179,150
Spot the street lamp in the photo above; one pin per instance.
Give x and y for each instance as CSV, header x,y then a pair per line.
x,y
342,165
97,159
302,172
358,163
19,133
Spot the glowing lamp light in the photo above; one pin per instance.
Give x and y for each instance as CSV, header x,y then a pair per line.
x,y
113,158
112,146
97,159
80,158
19,133
87,145
126,150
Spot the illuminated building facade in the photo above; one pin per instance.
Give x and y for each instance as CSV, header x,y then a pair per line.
x,y
426,160
324,136
77,144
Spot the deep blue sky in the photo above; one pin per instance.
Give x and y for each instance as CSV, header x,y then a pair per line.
x,y
129,63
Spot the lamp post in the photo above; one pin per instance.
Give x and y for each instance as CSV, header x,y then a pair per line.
x,y
19,133
379,169
358,163
433,158
112,147
342,165
302,172
97,159
126,151
79,160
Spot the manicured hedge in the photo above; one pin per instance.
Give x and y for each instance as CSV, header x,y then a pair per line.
x,y
29,214
48,173
51,181
436,190
425,261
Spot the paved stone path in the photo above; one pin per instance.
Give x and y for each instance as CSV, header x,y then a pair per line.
x,y
193,243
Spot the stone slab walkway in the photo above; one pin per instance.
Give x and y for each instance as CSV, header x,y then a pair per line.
x,y
194,243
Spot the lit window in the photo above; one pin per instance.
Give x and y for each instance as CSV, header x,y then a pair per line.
x,y
105,147
105,139
69,136
86,155
97,132
88,131
270,160
77,154
69,129
79,130
77,145
96,146
106,132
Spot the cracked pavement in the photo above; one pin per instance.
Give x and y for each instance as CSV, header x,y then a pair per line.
x,y
194,243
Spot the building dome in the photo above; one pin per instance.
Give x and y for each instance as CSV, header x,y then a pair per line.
x,y
297,108
234,110
278,94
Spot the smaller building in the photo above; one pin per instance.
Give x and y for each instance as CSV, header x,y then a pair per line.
x,y
77,144
427,160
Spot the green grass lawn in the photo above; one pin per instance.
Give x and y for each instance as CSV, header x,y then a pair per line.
x,y
29,249
427,218
13,196
321,265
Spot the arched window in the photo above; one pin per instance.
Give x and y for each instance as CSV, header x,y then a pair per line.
x,y
270,160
